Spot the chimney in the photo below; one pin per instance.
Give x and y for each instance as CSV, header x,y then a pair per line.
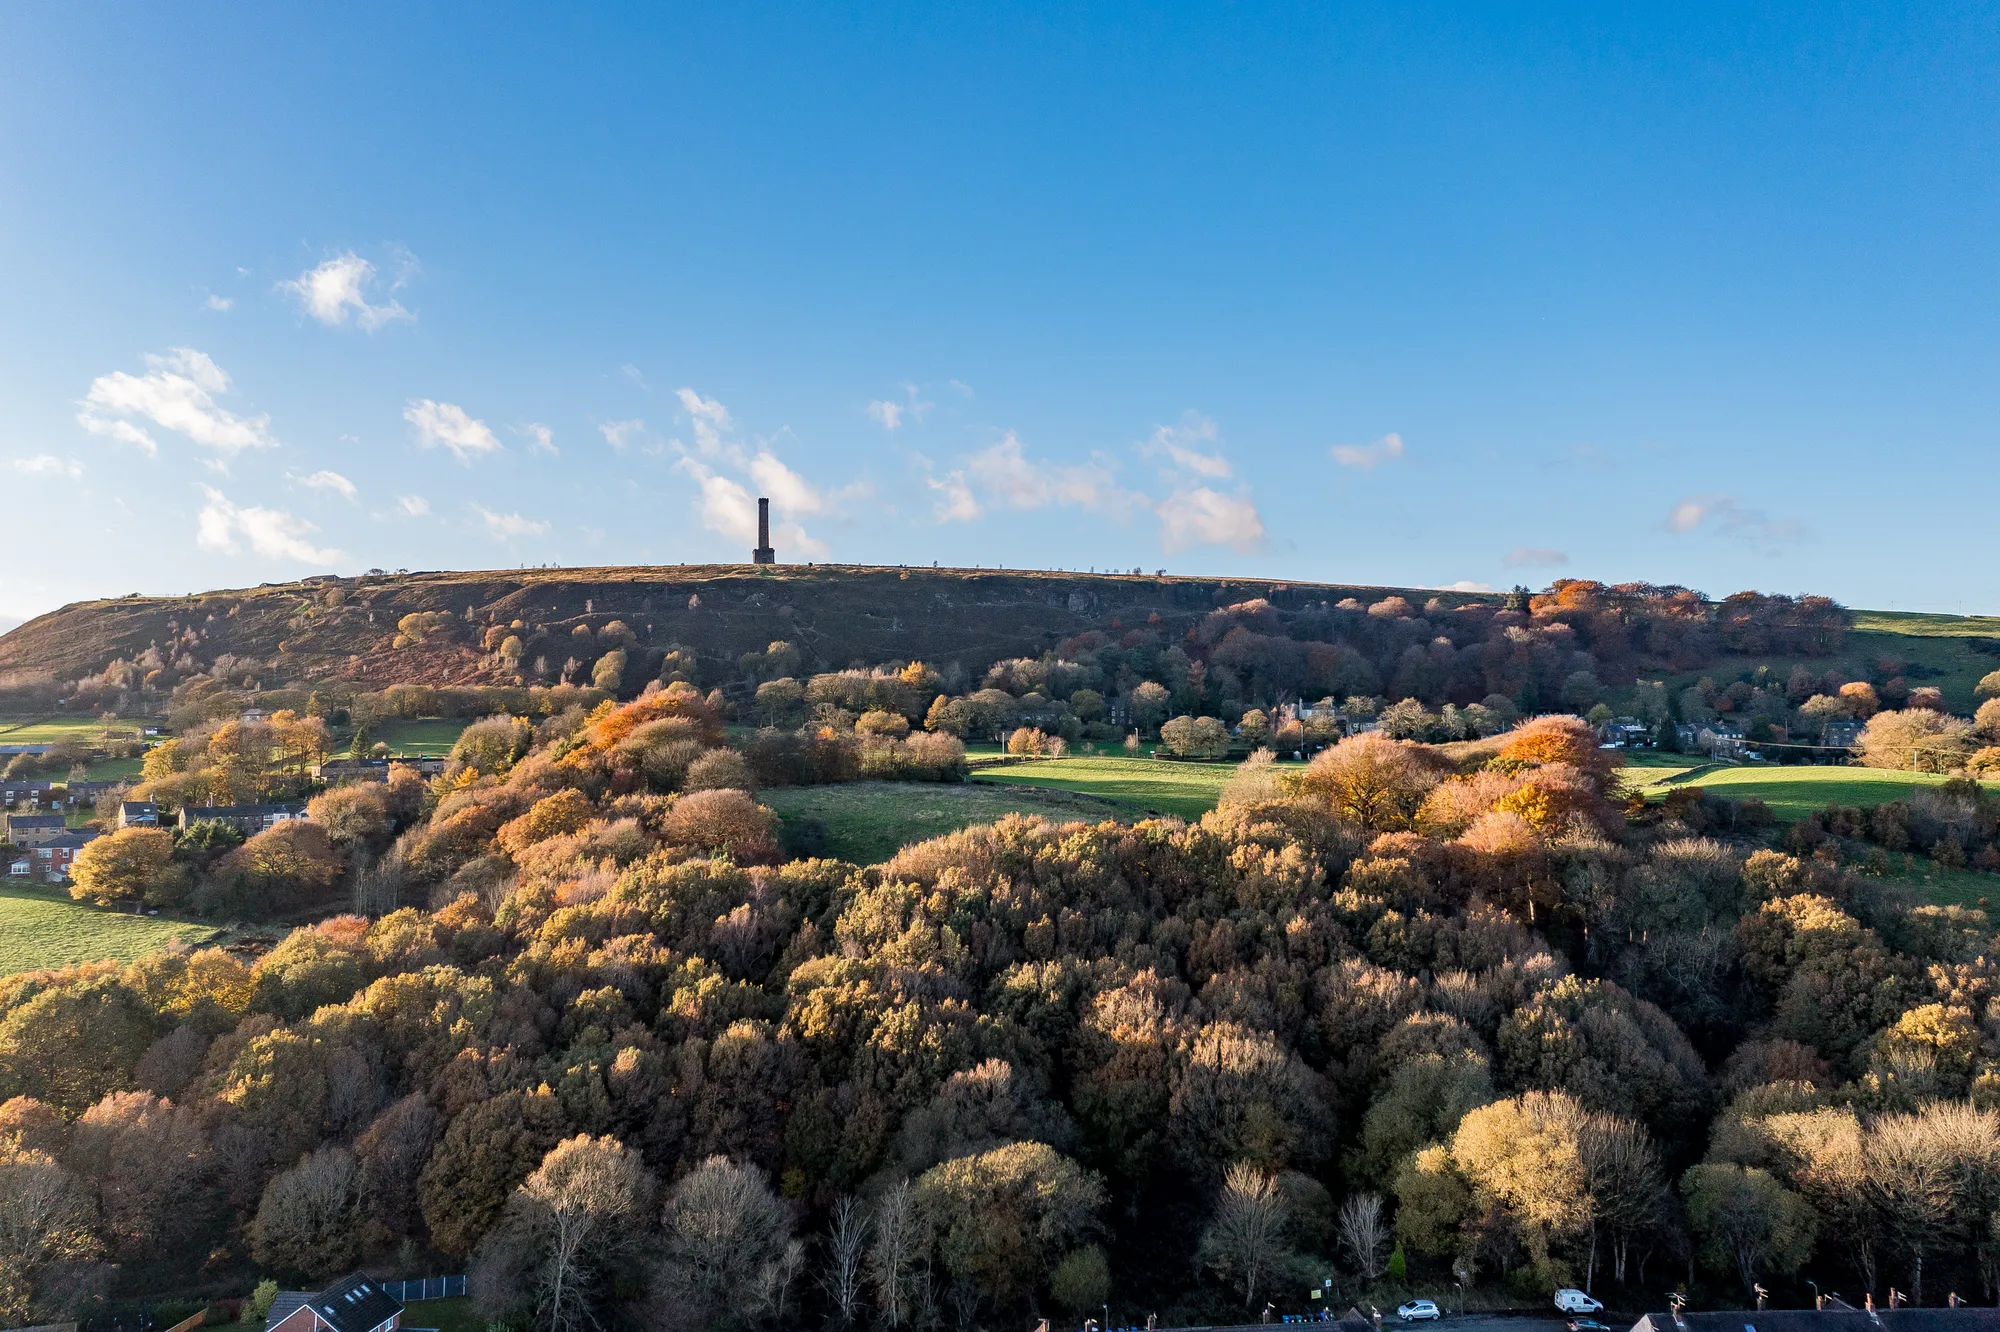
x,y
763,554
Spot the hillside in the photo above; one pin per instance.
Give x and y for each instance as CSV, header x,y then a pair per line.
x,y
345,628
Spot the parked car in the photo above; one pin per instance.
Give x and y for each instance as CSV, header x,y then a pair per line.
x,y
1418,1311
1587,1325
1573,1301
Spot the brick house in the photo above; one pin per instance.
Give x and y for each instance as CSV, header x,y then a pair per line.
x,y
352,1304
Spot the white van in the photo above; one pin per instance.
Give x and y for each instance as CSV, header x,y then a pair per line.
x,y
1576,1302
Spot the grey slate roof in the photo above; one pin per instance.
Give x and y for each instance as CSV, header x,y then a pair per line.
x,y
1965,1318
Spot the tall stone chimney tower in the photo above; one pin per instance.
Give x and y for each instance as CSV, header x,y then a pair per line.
x,y
763,554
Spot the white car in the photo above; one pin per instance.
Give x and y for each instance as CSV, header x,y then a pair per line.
x,y
1572,1301
1418,1311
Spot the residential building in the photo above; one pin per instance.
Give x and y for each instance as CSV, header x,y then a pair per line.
x,y
53,858
1626,733
138,814
33,830
352,1304
22,793
1842,734
246,819
334,771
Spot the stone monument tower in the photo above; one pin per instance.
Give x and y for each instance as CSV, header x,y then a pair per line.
x,y
763,554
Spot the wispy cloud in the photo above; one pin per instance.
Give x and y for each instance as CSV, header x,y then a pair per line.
x,y
633,373
960,387
541,439
1201,516
414,506
955,502
509,526
47,464
1534,557
218,303
1007,476
1183,445
1386,449
272,533
726,505
1466,585
1725,516
452,426
325,480
890,414
337,289
620,434
176,393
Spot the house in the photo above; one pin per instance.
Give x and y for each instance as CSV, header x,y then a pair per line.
x,y
352,1304
33,830
53,859
337,770
138,814
1626,733
1842,734
25,794
1717,739
253,715
246,819
427,768
1835,1317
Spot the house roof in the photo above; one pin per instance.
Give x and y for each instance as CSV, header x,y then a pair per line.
x,y
288,1303
37,821
356,1304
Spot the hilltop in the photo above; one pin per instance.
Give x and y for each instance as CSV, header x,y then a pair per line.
x,y
346,629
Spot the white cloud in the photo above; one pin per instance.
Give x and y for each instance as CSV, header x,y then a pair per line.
x,y
710,418
726,507
219,302
339,286
1534,557
955,500
1386,449
1465,585
887,414
1200,516
1722,514
272,533
47,464
961,386
788,491
416,506
176,393
1181,444
620,434
325,480
1007,475
541,439
448,424
632,373
508,526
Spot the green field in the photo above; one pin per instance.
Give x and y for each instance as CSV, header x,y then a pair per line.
x,y
43,928
1154,786
431,738
48,730
1792,793
867,822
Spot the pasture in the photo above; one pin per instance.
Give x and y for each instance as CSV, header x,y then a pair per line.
x,y
1791,793
868,822
1152,786
430,738
42,927
48,730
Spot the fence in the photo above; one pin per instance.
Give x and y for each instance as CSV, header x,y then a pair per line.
x,y
426,1288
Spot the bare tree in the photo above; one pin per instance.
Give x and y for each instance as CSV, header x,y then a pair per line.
x,y
310,1218
726,1234
846,1258
1622,1194
45,1223
894,1255
1364,1234
582,1206
1247,1237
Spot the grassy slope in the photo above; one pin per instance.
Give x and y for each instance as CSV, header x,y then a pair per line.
x,y
432,738
1154,786
41,928
867,822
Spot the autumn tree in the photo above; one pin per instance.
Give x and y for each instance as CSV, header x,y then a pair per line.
x,y
729,1251
1004,1217
1748,1222
311,1217
567,1227
129,865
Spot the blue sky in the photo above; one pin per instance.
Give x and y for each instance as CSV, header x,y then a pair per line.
x,y
1425,296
